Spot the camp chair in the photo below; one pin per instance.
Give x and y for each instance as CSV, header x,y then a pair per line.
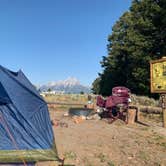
x,y
116,105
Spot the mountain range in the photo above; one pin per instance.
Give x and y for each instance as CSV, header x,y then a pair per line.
x,y
70,85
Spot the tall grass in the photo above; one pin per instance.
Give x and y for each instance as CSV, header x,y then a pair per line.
x,y
144,101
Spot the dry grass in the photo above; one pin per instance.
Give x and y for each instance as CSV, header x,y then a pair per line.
x,y
68,98
145,104
83,98
144,100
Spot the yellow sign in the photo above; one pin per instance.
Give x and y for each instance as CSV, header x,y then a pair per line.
x,y
158,75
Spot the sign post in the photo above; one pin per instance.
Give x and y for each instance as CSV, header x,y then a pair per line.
x,y
163,98
158,82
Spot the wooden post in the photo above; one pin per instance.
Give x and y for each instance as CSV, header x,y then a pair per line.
x,y
163,97
131,114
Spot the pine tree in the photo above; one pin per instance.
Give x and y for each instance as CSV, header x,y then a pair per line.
x,y
137,37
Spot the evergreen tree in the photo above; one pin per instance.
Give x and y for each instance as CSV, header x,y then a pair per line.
x,y
137,37
96,86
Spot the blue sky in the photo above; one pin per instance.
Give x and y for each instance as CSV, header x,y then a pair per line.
x,y
53,39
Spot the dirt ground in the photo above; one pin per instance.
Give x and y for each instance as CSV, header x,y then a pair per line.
x,y
97,143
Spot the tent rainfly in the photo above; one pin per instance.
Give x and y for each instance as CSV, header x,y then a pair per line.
x,y
25,128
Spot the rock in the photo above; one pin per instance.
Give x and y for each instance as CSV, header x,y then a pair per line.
x,y
79,119
94,117
66,114
130,157
55,122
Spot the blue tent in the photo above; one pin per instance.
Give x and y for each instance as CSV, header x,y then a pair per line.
x,y
25,128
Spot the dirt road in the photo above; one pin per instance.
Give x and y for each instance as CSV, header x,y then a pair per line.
x,y
97,143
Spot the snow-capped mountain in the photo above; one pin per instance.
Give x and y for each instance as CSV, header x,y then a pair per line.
x,y
70,85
